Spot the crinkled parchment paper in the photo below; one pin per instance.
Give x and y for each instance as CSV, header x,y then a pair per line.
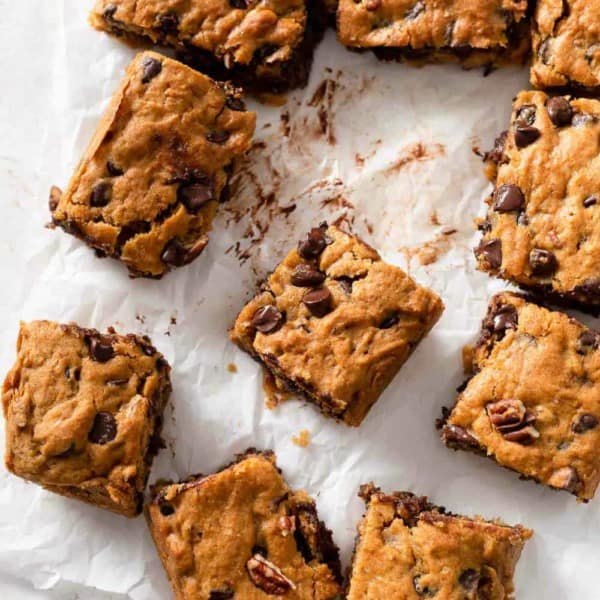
x,y
386,149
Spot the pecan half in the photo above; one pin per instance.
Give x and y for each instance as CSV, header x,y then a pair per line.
x,y
512,419
268,577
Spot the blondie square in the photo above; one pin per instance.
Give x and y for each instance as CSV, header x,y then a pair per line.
x,y
408,548
243,533
84,413
473,32
542,230
150,181
533,401
566,45
335,323
264,45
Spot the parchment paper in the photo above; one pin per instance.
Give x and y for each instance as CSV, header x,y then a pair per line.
x,y
385,148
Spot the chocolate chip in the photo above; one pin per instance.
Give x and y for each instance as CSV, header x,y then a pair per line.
x,y
101,194
175,254
241,4
318,301
307,276
585,422
346,284
506,317
236,104
113,170
526,135
542,262
54,198
455,435
267,319
104,429
469,579
195,195
389,322
222,594
168,23
508,197
590,201
314,243
151,68
587,341
559,111
490,251
526,114
166,510
101,349
590,287
258,549
109,11
130,230
217,137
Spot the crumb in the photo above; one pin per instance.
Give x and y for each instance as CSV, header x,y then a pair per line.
x,y
302,439
173,320
232,368
433,218
271,99
467,359
418,152
140,318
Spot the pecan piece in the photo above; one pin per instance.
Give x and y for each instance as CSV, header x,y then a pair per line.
x,y
286,525
512,419
565,479
268,577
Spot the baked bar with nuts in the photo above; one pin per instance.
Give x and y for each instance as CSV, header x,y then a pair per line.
x,y
243,533
533,401
475,33
84,412
335,323
542,229
150,182
409,548
264,45
566,45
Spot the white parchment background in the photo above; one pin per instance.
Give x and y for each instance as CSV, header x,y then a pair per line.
x,y
56,76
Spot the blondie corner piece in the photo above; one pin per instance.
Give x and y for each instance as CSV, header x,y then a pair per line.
x,y
149,184
264,45
542,229
84,413
243,533
476,33
409,548
533,402
335,323
566,45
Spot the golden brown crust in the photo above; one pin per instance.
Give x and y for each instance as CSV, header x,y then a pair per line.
x,y
476,32
266,39
566,44
408,548
83,412
344,359
555,168
533,401
150,181
209,531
